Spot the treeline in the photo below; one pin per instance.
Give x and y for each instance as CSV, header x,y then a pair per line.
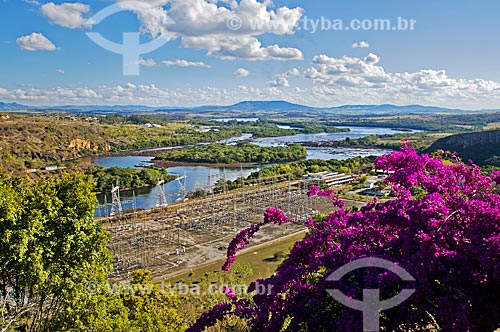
x,y
420,140
312,127
428,122
299,168
269,128
135,119
242,152
107,178
260,128
160,137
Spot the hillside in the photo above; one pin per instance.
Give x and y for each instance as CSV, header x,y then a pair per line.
x,y
39,140
483,148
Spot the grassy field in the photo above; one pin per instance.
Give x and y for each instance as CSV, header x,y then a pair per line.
x,y
259,258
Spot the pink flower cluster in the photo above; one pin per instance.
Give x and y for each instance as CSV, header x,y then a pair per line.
x,y
443,228
271,215
329,193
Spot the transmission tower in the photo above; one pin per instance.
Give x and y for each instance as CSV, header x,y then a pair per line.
x,y
182,189
162,200
116,204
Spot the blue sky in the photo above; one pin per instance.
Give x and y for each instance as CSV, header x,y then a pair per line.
x,y
221,52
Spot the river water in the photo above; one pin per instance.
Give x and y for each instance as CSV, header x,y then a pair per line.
x,y
204,177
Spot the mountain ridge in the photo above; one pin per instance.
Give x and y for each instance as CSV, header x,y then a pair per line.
x,y
245,106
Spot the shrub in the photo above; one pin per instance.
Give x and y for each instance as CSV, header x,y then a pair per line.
x,y
447,238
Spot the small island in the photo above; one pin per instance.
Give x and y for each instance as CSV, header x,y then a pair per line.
x,y
127,178
244,152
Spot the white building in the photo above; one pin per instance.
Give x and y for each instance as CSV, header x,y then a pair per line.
x,y
330,178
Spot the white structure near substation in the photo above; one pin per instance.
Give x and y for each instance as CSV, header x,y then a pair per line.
x,y
330,178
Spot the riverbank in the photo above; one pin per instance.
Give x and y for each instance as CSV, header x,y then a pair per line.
x,y
341,144
205,175
168,163
146,186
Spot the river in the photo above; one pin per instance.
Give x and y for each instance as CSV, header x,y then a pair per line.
x,y
204,177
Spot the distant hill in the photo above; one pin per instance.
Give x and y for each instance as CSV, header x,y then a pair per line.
x,y
249,107
388,108
483,148
273,105
12,107
287,107
97,108
245,106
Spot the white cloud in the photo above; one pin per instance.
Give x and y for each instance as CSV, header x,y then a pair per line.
x,y
148,62
154,18
372,59
282,80
203,24
173,63
361,44
328,81
274,91
131,94
245,48
348,71
294,72
35,42
364,80
33,2
67,15
279,82
60,71
185,63
241,72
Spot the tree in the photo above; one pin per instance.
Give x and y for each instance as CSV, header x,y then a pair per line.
x,y
50,247
151,308
54,262
447,237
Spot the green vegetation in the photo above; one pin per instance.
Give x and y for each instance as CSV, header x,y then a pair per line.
x,y
50,248
150,306
428,122
198,193
483,148
312,127
297,169
269,127
300,168
33,141
278,256
55,261
107,178
242,152
420,140
257,129
256,263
